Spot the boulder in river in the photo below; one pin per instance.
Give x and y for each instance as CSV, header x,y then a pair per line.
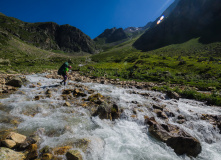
x,y
74,155
96,98
175,137
107,111
16,141
78,93
82,144
160,113
213,119
61,150
32,151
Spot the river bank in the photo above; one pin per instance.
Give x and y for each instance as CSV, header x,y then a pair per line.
x,y
172,90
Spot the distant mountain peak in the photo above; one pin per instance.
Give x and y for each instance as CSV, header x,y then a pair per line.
x,y
112,35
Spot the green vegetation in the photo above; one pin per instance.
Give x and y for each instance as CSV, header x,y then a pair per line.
x,y
19,57
175,64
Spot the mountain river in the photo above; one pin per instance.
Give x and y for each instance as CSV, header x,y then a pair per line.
x,y
126,138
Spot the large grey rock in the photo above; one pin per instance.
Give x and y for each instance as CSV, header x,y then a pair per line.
x,y
176,138
107,111
17,81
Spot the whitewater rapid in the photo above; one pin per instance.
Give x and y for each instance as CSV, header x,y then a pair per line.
x,y
124,139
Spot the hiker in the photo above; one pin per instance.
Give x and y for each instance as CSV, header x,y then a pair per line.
x,y
65,74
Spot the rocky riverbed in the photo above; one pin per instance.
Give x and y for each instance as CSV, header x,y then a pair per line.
x,y
103,119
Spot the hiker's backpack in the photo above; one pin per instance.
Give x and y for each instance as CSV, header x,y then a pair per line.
x,y
61,69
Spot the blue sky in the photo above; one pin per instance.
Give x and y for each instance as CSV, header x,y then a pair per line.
x,y
90,16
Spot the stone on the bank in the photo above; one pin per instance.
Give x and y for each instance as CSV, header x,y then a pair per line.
x,y
8,154
15,82
176,138
173,95
74,155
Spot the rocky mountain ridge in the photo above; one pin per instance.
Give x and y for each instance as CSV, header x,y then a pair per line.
x,y
47,35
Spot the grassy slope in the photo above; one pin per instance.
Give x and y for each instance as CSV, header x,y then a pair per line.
x,y
190,63
17,56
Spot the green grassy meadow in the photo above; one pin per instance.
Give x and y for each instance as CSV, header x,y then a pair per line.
x,y
190,63
19,57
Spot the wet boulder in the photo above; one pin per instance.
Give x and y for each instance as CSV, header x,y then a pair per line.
x,y
32,151
67,104
8,154
181,119
175,137
169,113
61,150
160,114
96,98
67,91
213,119
82,144
79,93
74,155
37,98
158,107
47,156
107,111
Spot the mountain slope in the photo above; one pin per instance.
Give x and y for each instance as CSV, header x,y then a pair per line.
x,y
111,35
48,35
189,19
